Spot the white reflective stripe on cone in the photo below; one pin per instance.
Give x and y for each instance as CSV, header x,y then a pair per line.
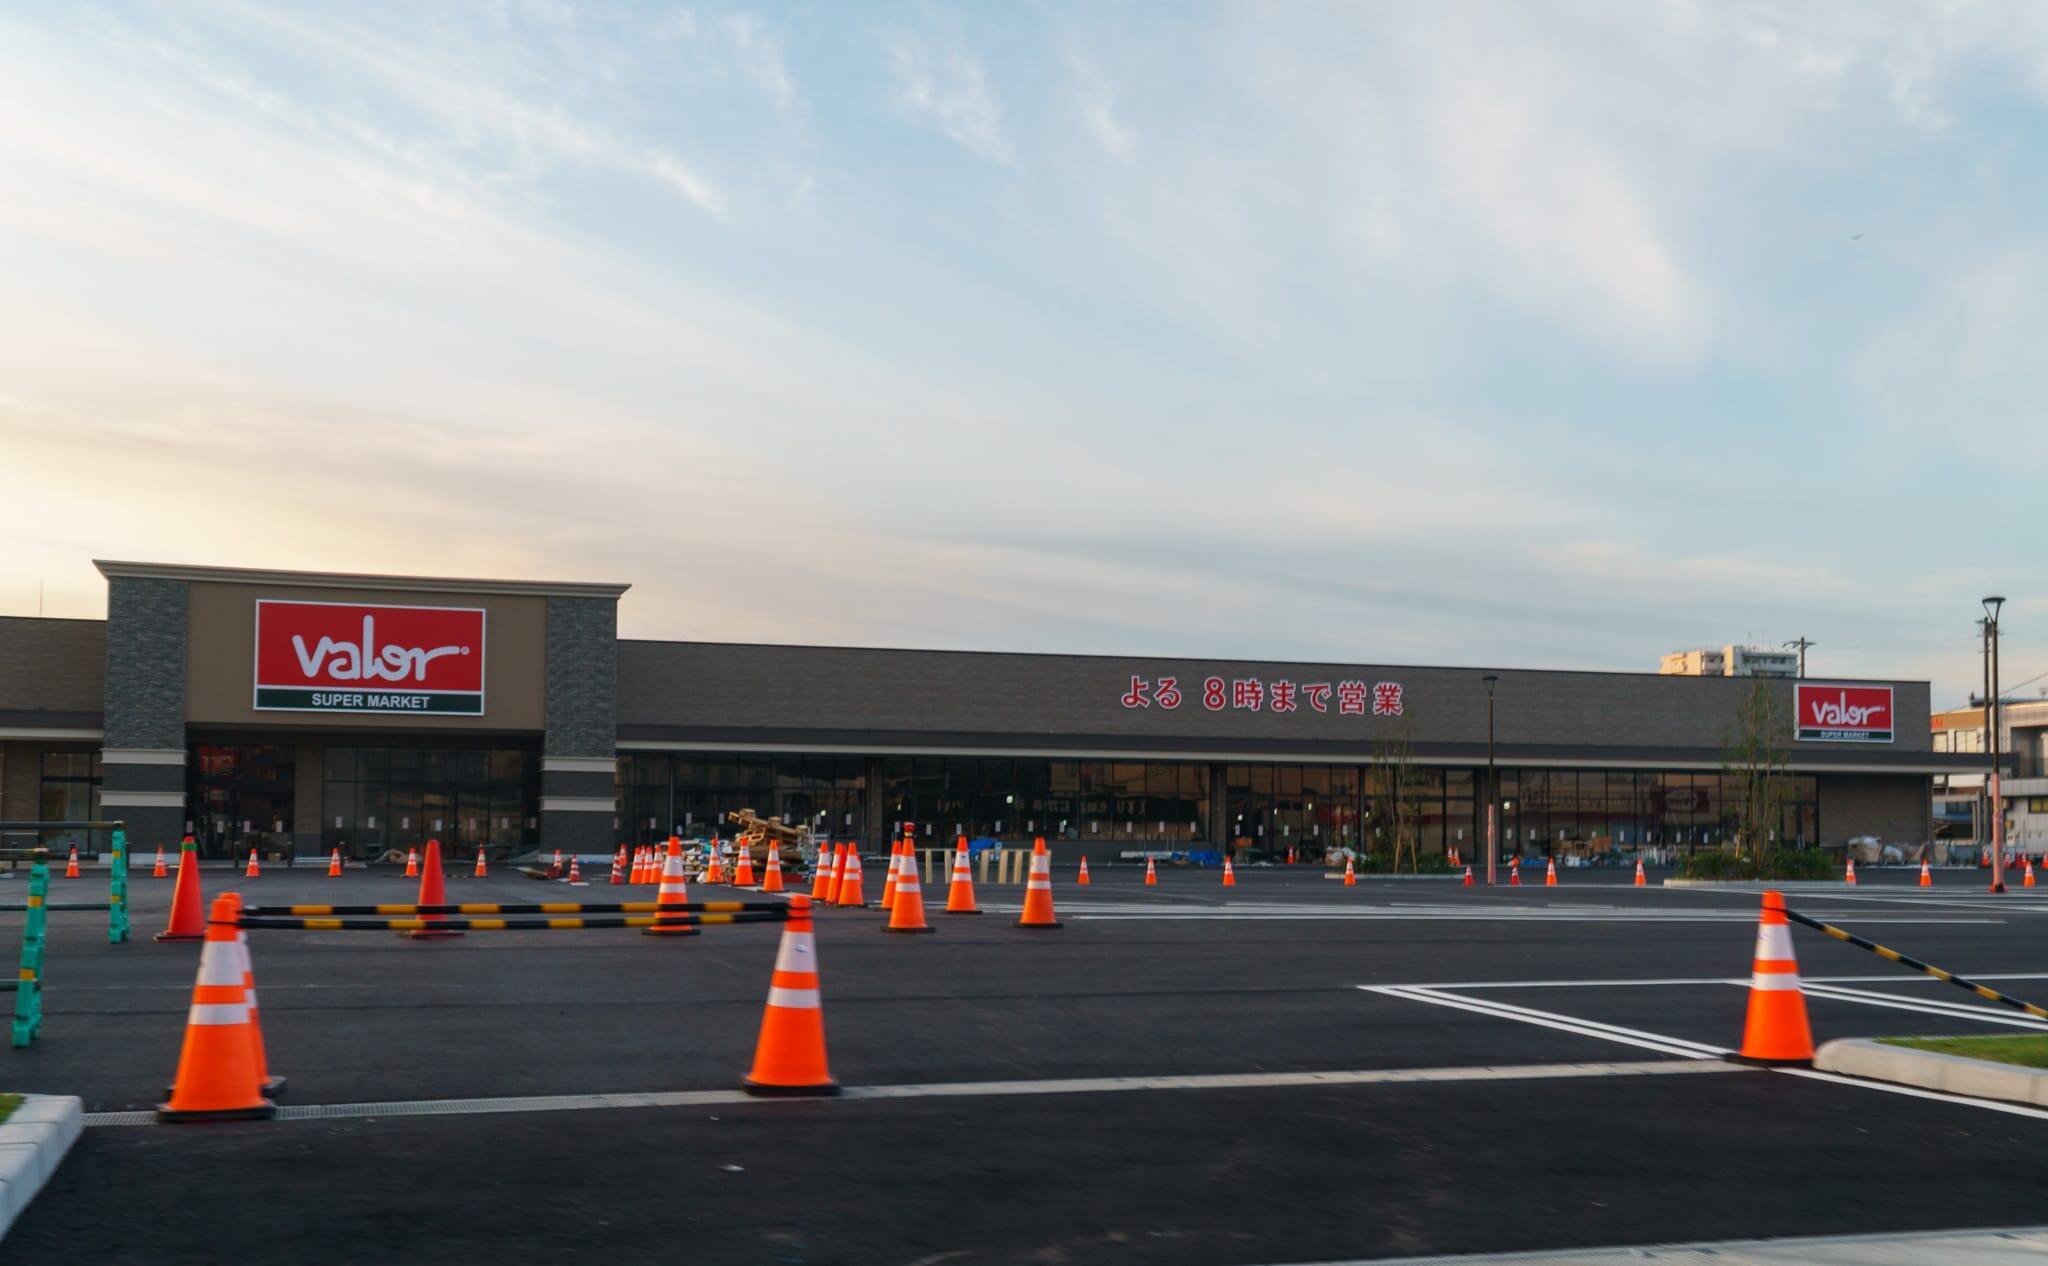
x,y
211,1013
796,999
796,953
1774,981
1774,942
219,967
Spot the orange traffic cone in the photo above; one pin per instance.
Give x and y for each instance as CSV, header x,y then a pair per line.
x,y
218,1079
432,893
575,875
714,865
1290,854
1514,872
743,869
252,870
1151,873
1926,875
1082,878
555,871
672,902
188,921
71,867
412,864
1849,875
907,914
268,1084
1550,874
619,867
889,875
1776,1031
789,1058
159,872
334,864
1642,881
2027,881
1038,911
1350,874
771,878
960,893
1229,875
483,868
836,875
1468,880
821,872
849,891
639,875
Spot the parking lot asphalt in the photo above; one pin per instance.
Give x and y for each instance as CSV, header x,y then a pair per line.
x,y
1280,974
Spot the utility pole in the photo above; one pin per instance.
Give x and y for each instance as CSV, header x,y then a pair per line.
x,y
1800,644
1991,609
1492,786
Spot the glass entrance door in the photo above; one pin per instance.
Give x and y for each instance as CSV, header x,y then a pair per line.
x,y
240,797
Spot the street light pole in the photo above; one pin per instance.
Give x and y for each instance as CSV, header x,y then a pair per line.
x,y
1492,787
1991,609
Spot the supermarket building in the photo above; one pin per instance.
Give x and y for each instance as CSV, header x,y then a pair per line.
x,y
299,712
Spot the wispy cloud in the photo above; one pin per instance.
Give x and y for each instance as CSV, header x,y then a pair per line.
x,y
937,82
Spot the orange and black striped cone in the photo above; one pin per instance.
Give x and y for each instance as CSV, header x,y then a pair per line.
x,y
1081,880
1776,1031
334,864
849,891
1038,911
1926,874
433,892
188,918
483,868
412,864
743,865
771,877
1550,874
907,915
71,867
1849,874
789,1057
159,872
672,903
1641,881
889,875
1151,873
960,892
217,1077
253,870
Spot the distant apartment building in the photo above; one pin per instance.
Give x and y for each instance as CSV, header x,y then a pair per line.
x,y
1959,798
1730,661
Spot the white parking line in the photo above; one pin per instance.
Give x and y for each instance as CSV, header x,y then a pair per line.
x,y
1551,1020
970,1089
1925,1006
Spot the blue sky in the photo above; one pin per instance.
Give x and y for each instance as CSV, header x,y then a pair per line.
x,y
1551,335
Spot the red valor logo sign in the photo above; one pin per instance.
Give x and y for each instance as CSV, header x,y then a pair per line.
x,y
344,657
1843,714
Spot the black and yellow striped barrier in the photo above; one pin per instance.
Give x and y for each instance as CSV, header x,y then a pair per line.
x,y
1906,960
473,923
778,909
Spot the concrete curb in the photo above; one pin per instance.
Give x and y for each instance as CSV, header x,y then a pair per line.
x,y
32,1144
1932,1070
1783,885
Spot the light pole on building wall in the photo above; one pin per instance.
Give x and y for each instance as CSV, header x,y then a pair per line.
x,y
1991,609
1492,787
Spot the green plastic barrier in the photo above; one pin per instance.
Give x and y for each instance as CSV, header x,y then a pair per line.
x,y
28,987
